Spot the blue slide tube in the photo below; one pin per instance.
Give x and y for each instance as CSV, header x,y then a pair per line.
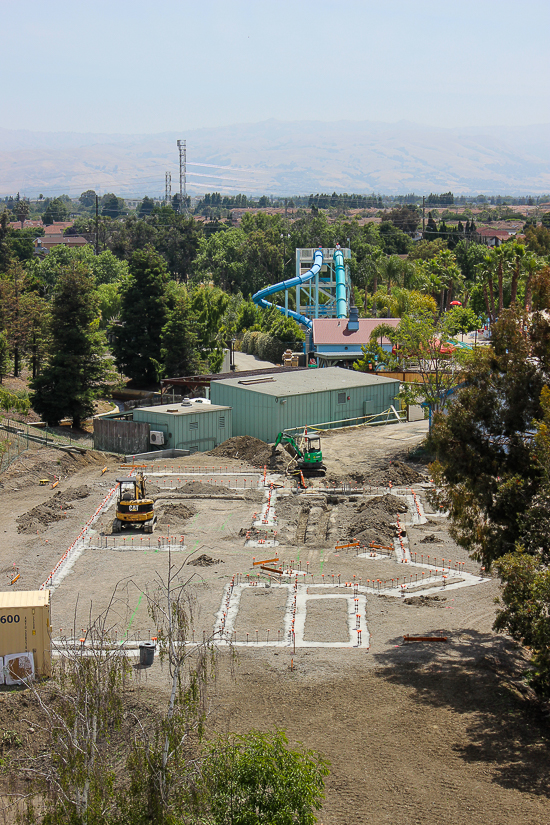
x,y
259,297
340,273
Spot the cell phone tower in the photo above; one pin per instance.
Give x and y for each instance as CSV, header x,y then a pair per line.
x,y
167,188
182,146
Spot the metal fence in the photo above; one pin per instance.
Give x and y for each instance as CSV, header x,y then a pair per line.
x,y
16,438
389,416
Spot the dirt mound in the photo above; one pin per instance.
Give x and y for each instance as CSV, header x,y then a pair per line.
x,y
179,511
194,488
374,520
430,539
202,488
205,561
425,601
254,452
76,493
367,528
383,504
398,473
50,463
43,515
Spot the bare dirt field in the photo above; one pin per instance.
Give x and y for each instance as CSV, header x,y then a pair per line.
x,y
415,732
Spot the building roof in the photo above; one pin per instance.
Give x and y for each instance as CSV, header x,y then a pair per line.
x,y
26,224
205,380
303,382
57,227
494,233
334,331
24,598
179,409
56,240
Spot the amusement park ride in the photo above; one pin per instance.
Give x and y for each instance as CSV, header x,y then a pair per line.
x,y
322,283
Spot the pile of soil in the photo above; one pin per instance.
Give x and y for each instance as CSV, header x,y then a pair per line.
x,y
425,601
430,539
205,561
178,511
50,463
174,516
43,515
398,473
383,504
253,451
193,488
374,520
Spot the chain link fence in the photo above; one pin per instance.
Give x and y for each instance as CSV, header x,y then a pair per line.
x,y
16,438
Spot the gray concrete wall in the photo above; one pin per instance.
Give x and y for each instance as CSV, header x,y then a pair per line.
x,y
154,455
122,437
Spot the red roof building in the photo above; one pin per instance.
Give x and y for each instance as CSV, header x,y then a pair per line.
x,y
338,341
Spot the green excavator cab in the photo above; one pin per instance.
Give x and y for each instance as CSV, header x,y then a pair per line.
x,y
310,460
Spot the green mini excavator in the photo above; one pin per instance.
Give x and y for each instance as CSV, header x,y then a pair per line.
x,y
309,459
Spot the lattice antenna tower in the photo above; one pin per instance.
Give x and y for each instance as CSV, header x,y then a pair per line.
x,y
182,146
167,188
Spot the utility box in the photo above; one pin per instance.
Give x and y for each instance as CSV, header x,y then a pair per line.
x,y
25,628
415,412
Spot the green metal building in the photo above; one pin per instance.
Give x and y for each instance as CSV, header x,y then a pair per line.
x,y
195,427
265,405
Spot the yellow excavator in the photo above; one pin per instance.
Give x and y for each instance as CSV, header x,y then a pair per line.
x,y
133,509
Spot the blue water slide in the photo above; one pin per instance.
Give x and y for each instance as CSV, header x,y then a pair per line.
x,y
341,291
259,297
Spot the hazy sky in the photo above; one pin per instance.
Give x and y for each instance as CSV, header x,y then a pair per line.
x,y
132,66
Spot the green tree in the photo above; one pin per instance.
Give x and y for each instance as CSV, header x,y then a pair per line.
x,y
394,241
178,353
420,343
55,211
468,255
221,258
146,207
105,267
110,303
87,199
256,779
461,320
21,210
137,347
487,473
77,368
21,242
425,250
5,252
525,611
537,238
405,218
4,356
111,206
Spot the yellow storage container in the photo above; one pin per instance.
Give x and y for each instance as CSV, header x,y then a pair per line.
x,y
25,626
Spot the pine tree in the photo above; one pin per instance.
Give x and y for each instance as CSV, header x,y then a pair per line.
x,y
143,315
77,367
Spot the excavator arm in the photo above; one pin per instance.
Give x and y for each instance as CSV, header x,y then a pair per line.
x,y
287,439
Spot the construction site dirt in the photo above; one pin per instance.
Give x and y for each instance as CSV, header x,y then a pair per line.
x,y
414,732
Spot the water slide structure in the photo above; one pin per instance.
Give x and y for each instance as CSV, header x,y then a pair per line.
x,y
335,293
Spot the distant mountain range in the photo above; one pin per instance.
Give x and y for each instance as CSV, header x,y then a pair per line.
x,y
282,158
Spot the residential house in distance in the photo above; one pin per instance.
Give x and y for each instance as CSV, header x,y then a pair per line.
x,y
494,237
55,237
